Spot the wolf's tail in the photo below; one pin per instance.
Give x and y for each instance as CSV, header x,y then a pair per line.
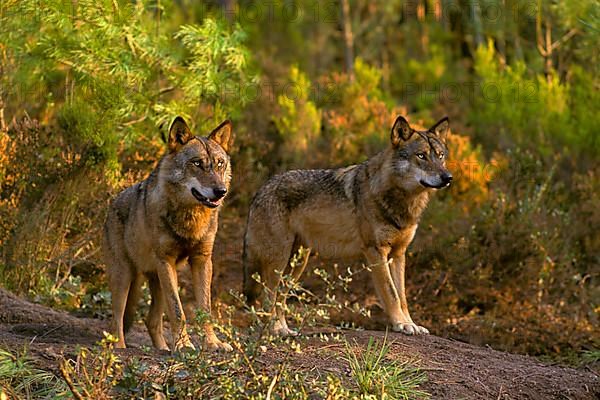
x,y
252,288
135,291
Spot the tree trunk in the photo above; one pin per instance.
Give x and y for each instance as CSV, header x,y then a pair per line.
x,y
348,39
421,10
228,9
544,42
513,40
477,28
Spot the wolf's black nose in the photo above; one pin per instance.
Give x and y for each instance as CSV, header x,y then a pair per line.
x,y
446,177
220,192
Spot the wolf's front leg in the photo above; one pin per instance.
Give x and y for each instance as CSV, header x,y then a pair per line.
x,y
167,276
397,268
386,290
201,280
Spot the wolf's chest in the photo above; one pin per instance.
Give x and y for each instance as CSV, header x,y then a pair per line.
x,y
189,227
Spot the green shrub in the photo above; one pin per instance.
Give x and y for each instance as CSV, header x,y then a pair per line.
x,y
520,270
111,70
516,106
358,116
298,121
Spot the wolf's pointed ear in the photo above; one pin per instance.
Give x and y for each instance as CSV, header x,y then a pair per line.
x,y
179,134
222,134
400,131
440,129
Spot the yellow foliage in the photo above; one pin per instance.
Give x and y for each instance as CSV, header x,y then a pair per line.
x,y
472,172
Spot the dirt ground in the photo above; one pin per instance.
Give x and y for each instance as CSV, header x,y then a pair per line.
x,y
455,370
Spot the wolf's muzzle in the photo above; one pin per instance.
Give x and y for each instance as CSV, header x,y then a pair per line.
x,y
210,203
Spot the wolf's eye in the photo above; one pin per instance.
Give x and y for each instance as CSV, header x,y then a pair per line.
x,y
220,164
197,163
421,156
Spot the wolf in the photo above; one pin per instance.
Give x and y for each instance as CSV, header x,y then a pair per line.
x,y
371,209
163,221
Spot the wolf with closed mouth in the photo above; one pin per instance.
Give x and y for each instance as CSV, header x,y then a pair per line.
x,y
166,220
370,209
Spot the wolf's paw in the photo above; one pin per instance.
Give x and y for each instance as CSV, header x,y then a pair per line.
x,y
283,330
160,343
185,348
215,344
163,348
184,344
410,329
421,330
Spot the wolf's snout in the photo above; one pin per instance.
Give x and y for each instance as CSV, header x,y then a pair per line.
x,y
446,178
220,192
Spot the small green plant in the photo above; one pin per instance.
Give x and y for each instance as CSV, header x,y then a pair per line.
x,y
241,374
301,305
94,373
246,373
378,377
591,356
21,379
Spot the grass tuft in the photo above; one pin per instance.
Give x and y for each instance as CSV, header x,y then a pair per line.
x,y
378,377
20,379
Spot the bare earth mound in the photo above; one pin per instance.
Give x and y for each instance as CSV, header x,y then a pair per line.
x,y
456,370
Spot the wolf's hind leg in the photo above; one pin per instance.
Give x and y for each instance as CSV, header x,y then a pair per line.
x,y
274,296
120,284
274,300
280,326
154,322
133,298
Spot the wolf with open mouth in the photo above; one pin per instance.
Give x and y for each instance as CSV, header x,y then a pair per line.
x,y
168,219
